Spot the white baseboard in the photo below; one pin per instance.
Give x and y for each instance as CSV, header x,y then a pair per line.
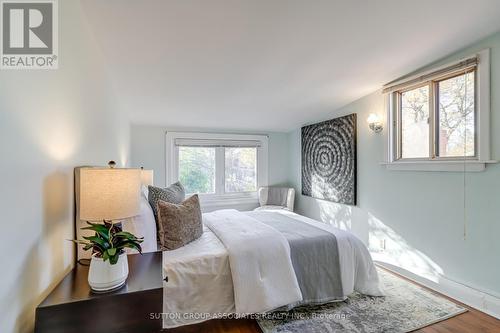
x,y
474,298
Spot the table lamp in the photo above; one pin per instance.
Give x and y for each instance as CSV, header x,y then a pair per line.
x,y
107,196
146,177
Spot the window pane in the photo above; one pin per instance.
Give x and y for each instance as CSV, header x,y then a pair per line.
x,y
241,169
456,116
415,123
197,169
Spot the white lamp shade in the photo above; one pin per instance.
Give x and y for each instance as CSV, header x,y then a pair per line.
x,y
109,194
147,177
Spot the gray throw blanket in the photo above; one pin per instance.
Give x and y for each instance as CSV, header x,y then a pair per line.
x,y
315,257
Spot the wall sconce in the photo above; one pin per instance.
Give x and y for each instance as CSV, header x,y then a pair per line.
x,y
374,123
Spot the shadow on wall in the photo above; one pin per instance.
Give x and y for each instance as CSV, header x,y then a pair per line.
x,y
46,262
388,246
384,243
344,217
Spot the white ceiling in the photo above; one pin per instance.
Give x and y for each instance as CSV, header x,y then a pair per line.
x,y
271,64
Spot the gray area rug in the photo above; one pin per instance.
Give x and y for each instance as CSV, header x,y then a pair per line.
x,y
406,307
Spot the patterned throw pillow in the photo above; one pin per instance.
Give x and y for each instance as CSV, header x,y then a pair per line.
x,y
175,194
179,225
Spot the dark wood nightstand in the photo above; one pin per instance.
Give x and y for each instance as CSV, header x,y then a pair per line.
x,y
73,307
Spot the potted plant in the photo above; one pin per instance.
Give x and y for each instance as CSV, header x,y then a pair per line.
x,y
108,265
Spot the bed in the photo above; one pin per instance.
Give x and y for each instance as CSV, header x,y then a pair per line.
x,y
254,262
204,279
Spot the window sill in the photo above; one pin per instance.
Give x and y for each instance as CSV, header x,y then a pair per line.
x,y
439,166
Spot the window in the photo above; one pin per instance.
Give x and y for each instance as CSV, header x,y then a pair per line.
x,y
441,117
414,113
217,166
240,169
456,117
197,169
438,118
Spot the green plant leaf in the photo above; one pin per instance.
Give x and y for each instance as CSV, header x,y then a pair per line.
x,y
122,241
109,241
132,245
98,242
114,259
126,234
100,229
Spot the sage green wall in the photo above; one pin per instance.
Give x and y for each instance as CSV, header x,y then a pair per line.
x,y
420,215
148,150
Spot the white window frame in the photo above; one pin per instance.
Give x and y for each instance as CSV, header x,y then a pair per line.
x,y
482,119
219,198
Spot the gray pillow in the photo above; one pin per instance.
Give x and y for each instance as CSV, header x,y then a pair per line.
x,y
175,194
180,224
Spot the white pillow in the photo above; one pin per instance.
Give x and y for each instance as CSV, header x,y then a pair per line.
x,y
143,225
144,191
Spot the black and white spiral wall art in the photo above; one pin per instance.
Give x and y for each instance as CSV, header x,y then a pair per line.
x,y
329,160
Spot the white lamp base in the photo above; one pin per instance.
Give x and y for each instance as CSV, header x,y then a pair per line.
x,y
104,277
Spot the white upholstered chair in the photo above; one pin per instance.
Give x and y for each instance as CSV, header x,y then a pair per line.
x,y
276,198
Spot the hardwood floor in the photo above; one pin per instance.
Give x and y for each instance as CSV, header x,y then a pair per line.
x,y
472,321
220,326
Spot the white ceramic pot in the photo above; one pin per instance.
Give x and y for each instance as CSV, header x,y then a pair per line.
x,y
104,277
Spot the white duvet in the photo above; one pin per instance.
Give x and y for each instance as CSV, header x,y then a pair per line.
x,y
259,257
200,281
